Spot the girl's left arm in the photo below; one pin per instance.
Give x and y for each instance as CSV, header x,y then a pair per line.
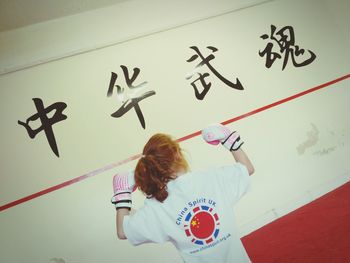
x,y
121,212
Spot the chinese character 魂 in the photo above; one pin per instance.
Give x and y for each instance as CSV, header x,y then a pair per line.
x,y
285,46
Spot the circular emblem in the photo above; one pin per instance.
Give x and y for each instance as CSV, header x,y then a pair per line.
x,y
202,225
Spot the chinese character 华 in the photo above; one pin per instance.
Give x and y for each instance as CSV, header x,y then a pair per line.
x,y
129,100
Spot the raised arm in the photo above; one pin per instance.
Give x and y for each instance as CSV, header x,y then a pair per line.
x,y
123,186
119,222
241,157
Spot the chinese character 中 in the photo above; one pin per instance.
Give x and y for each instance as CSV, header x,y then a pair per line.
x,y
46,122
286,47
129,99
206,85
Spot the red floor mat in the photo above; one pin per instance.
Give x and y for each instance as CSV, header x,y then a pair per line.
x,y
316,233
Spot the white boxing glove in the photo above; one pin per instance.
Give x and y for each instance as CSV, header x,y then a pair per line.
x,y
216,133
123,186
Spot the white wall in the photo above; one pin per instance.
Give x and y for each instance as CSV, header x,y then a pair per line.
x,y
71,35
300,148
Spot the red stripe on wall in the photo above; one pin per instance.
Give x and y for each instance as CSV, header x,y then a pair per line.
x,y
187,137
67,183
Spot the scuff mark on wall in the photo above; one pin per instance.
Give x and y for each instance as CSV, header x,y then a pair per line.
x,y
312,139
325,151
57,260
328,141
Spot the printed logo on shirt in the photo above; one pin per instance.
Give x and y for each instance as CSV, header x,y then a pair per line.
x,y
200,221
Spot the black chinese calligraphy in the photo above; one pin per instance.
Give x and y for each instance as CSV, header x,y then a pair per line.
x,y
129,99
205,61
46,122
286,48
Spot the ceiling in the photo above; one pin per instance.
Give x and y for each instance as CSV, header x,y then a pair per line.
x,y
19,13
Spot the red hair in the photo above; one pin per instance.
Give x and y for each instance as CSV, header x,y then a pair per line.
x,y
162,159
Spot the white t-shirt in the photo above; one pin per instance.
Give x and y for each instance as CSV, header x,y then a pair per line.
x,y
197,216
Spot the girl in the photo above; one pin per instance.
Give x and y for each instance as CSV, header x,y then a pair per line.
x,y
191,209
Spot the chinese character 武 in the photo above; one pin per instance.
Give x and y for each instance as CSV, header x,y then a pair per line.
x,y
201,77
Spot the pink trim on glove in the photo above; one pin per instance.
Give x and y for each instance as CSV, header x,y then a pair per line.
x,y
214,142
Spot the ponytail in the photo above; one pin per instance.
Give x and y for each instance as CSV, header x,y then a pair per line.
x,y
161,161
